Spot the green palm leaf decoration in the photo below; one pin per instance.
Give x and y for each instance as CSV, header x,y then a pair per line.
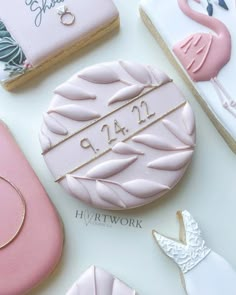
x,y
10,51
14,69
3,31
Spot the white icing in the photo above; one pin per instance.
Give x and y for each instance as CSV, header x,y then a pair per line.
x,y
213,276
174,26
189,254
204,271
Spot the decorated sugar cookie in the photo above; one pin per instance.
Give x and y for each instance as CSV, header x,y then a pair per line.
x,y
204,271
43,33
118,135
31,237
201,47
97,281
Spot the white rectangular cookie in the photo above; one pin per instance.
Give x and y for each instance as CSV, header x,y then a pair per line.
x,y
34,35
202,48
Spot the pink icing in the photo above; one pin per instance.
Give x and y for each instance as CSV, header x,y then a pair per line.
x,y
203,55
13,203
48,36
35,251
97,281
125,148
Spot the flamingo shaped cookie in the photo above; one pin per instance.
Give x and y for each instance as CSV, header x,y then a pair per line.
x,y
203,55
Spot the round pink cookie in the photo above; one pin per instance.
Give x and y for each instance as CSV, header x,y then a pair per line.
x,y
98,281
31,236
118,135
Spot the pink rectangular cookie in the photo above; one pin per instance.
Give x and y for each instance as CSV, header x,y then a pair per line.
x,y
31,236
37,34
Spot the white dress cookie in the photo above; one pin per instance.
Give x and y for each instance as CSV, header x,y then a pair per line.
x,y
97,281
204,271
35,35
118,135
202,47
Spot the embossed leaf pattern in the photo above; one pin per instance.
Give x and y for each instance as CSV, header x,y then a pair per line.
x,y
188,118
182,136
126,93
99,74
73,92
172,162
142,188
78,189
54,126
137,71
109,168
156,142
109,195
44,141
95,179
75,112
96,281
10,51
160,77
126,149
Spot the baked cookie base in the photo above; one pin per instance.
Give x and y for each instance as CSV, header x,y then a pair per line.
x,y
88,39
224,133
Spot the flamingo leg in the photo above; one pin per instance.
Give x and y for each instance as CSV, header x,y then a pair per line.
x,y
220,95
226,100
224,91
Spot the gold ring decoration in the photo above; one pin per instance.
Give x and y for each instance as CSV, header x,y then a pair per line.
x,y
67,18
22,200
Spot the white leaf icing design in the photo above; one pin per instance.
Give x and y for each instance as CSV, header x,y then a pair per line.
x,y
160,77
126,93
44,141
96,281
99,74
73,92
77,189
107,194
185,138
142,188
137,71
188,118
75,112
54,126
156,142
125,149
110,168
172,162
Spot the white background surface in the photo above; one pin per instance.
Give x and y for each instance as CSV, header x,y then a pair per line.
x,y
208,190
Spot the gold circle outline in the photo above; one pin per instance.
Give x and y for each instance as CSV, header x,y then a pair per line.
x,y
23,213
